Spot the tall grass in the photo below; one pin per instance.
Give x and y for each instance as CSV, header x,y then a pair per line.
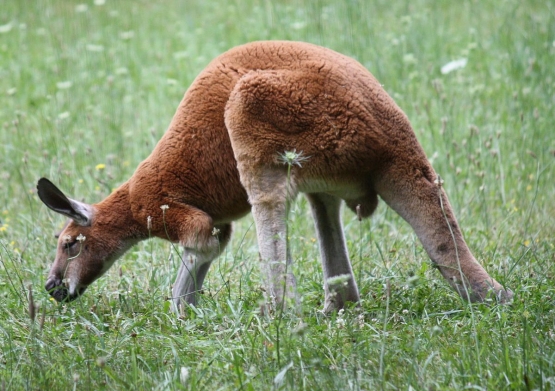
x,y
86,90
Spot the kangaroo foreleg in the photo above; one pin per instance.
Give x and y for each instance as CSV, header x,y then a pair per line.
x,y
417,195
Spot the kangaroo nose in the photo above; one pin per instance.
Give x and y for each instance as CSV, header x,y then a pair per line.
x,y
60,292
52,283
56,289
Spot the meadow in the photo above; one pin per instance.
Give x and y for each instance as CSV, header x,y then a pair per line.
x,y
88,87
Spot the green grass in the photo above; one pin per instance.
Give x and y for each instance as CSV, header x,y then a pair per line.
x,y
83,85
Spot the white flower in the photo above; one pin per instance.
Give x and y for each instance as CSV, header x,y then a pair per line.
x,y
340,322
64,85
438,182
81,238
94,48
127,35
409,58
360,320
454,65
5,28
164,207
184,375
63,115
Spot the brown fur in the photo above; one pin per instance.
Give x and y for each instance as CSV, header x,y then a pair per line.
x,y
221,152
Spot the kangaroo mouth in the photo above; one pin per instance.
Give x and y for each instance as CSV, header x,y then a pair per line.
x,y
60,292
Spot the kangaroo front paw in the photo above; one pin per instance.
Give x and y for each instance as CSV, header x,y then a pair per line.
x,y
488,292
504,296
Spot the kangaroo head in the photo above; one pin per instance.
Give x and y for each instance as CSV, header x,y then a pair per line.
x,y
87,246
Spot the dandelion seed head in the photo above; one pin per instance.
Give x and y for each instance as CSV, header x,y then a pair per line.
x,y
289,155
293,158
338,280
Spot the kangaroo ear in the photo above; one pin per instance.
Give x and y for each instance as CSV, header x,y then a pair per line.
x,y
53,197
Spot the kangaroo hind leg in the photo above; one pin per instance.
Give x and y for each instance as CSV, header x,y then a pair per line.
x,y
262,128
339,282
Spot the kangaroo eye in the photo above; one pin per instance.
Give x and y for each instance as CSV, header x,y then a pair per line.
x,y
69,245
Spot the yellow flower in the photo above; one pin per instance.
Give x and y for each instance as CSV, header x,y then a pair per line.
x,y
100,166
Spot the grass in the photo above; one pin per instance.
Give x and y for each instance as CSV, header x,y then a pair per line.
x,y
87,89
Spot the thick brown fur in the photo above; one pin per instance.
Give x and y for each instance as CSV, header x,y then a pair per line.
x,y
221,155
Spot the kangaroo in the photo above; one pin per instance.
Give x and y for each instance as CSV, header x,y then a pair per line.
x,y
262,123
